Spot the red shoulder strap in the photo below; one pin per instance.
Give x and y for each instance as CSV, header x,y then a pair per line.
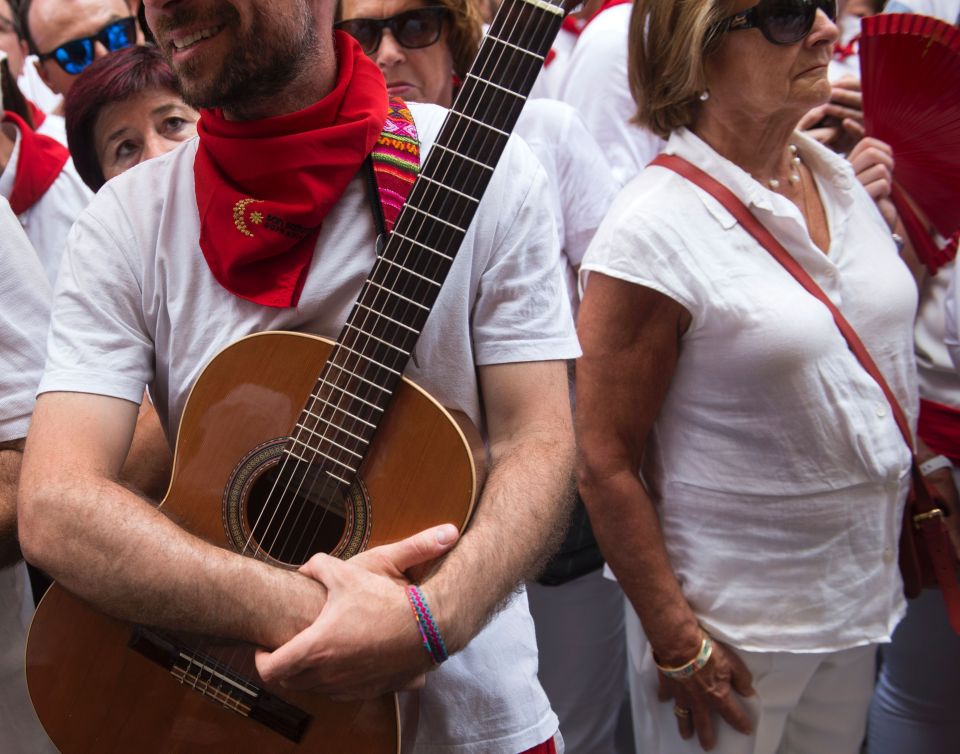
x,y
924,502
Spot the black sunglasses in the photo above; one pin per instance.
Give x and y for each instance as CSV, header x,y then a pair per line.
x,y
782,22
77,54
413,29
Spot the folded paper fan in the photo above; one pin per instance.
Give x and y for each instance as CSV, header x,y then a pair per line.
x,y
910,76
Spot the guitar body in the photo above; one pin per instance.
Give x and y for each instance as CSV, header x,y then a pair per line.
x,y
101,685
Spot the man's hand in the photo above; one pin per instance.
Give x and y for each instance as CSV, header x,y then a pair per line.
x,y
365,642
872,161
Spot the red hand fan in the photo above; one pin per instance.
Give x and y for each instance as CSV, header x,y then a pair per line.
x,y
910,76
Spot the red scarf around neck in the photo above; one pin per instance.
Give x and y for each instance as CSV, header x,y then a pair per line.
x,y
40,162
263,187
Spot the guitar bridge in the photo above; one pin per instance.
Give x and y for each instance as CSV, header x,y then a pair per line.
x,y
220,684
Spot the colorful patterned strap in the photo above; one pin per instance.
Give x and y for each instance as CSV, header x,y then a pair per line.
x,y
396,160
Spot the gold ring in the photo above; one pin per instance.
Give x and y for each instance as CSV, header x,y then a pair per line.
x,y
681,712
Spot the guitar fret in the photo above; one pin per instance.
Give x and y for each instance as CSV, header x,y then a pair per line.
x,y
294,455
368,358
357,376
544,5
336,427
379,340
463,156
337,461
434,217
398,234
347,392
318,417
451,189
338,478
515,47
325,439
480,123
398,295
414,330
406,269
497,86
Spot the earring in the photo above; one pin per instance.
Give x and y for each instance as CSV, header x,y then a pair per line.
x,y
704,95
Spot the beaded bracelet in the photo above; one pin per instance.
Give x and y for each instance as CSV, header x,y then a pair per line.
x,y
429,631
689,668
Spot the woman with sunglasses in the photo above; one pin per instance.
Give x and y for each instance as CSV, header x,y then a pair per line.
x,y
744,474
423,49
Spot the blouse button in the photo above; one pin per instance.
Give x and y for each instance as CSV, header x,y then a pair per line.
x,y
881,410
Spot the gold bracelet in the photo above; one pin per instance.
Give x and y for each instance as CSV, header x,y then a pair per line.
x,y
689,668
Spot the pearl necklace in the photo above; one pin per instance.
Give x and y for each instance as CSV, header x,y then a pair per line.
x,y
794,178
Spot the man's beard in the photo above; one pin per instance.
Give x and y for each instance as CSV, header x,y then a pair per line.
x,y
264,61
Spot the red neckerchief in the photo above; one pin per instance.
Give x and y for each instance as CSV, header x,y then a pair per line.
x,y
575,25
842,52
263,187
41,160
939,427
36,114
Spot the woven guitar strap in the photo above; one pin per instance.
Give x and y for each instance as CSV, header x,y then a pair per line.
x,y
924,509
394,165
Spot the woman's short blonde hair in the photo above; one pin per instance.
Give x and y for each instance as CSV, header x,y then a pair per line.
x,y
668,46
466,29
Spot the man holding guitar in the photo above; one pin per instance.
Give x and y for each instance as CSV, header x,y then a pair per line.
x,y
167,268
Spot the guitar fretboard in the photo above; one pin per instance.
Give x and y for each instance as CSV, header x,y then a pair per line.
x,y
358,381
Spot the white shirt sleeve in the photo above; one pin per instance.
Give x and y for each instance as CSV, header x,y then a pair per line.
x,y
24,314
99,342
522,312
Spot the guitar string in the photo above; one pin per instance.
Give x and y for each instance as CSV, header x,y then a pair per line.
x,y
365,324
449,242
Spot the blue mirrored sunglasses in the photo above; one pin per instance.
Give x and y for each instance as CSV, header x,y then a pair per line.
x,y
77,54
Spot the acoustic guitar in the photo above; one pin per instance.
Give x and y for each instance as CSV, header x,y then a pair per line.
x,y
353,458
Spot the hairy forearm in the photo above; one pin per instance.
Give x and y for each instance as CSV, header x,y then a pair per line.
x,y
149,460
628,530
516,526
114,549
9,472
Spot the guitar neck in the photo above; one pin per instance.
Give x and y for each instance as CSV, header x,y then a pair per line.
x,y
365,367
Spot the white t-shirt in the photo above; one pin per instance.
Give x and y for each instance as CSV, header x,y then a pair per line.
x,y
582,186
596,85
554,68
778,471
165,317
24,310
49,220
937,377
34,88
55,126
946,10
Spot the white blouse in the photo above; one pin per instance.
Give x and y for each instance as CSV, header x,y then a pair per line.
x,y
776,465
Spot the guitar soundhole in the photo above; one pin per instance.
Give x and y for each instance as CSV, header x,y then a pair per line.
x,y
280,512
293,517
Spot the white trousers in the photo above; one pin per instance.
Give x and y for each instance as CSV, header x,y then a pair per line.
x,y
582,658
20,731
811,703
